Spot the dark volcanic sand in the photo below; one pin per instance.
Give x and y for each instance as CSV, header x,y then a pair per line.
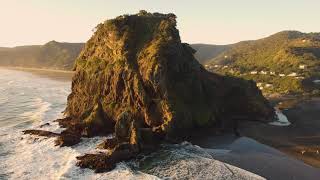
x,y
301,139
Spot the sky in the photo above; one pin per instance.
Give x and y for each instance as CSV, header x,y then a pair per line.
x,y
33,22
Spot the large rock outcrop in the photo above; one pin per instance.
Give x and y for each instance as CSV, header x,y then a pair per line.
x,y
135,78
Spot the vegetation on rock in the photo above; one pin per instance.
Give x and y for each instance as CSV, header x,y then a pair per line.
x,y
135,78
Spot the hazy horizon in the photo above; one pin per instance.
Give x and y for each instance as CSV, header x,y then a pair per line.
x,y
208,22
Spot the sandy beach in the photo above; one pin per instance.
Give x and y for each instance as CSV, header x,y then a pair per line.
x,y
60,75
300,140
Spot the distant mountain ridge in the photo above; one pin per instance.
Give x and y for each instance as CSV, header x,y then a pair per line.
x,y
52,55
62,55
205,52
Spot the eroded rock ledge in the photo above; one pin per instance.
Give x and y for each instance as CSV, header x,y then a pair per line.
x,y
135,79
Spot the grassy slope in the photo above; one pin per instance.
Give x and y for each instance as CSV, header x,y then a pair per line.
x,y
205,52
52,55
282,53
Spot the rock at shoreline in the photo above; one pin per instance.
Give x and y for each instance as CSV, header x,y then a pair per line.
x,y
41,133
135,78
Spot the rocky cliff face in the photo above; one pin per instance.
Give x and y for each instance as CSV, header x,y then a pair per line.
x,y
136,79
135,68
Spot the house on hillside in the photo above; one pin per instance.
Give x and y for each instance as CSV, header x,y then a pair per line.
x,y
216,66
282,75
272,73
259,84
293,74
263,72
253,72
299,77
268,85
302,66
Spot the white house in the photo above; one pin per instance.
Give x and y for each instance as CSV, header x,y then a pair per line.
x,y
216,66
299,77
282,75
263,72
272,73
225,66
293,74
225,57
302,66
268,85
253,72
259,84
261,88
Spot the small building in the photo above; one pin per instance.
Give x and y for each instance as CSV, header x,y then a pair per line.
x,y
299,77
293,74
282,75
216,66
268,85
253,72
302,66
225,57
263,72
225,66
272,73
259,84
261,88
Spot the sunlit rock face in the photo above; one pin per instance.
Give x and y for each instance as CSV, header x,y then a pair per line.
x,y
136,79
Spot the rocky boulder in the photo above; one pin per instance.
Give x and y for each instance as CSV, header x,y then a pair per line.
x,y
135,78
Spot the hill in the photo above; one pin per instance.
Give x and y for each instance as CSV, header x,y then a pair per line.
x,y
206,52
52,55
286,62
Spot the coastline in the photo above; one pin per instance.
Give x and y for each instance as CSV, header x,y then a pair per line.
x,y
301,139
256,157
60,75
283,139
36,69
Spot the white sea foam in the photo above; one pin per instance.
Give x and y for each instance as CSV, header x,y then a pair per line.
x,y
187,161
38,158
10,82
41,107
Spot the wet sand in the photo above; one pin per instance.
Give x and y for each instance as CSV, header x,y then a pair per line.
x,y
257,158
59,75
300,140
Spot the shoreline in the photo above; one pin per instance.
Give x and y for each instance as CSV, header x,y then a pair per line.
x,y
36,69
60,75
301,139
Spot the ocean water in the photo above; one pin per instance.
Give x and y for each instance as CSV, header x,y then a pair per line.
x,y
28,101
